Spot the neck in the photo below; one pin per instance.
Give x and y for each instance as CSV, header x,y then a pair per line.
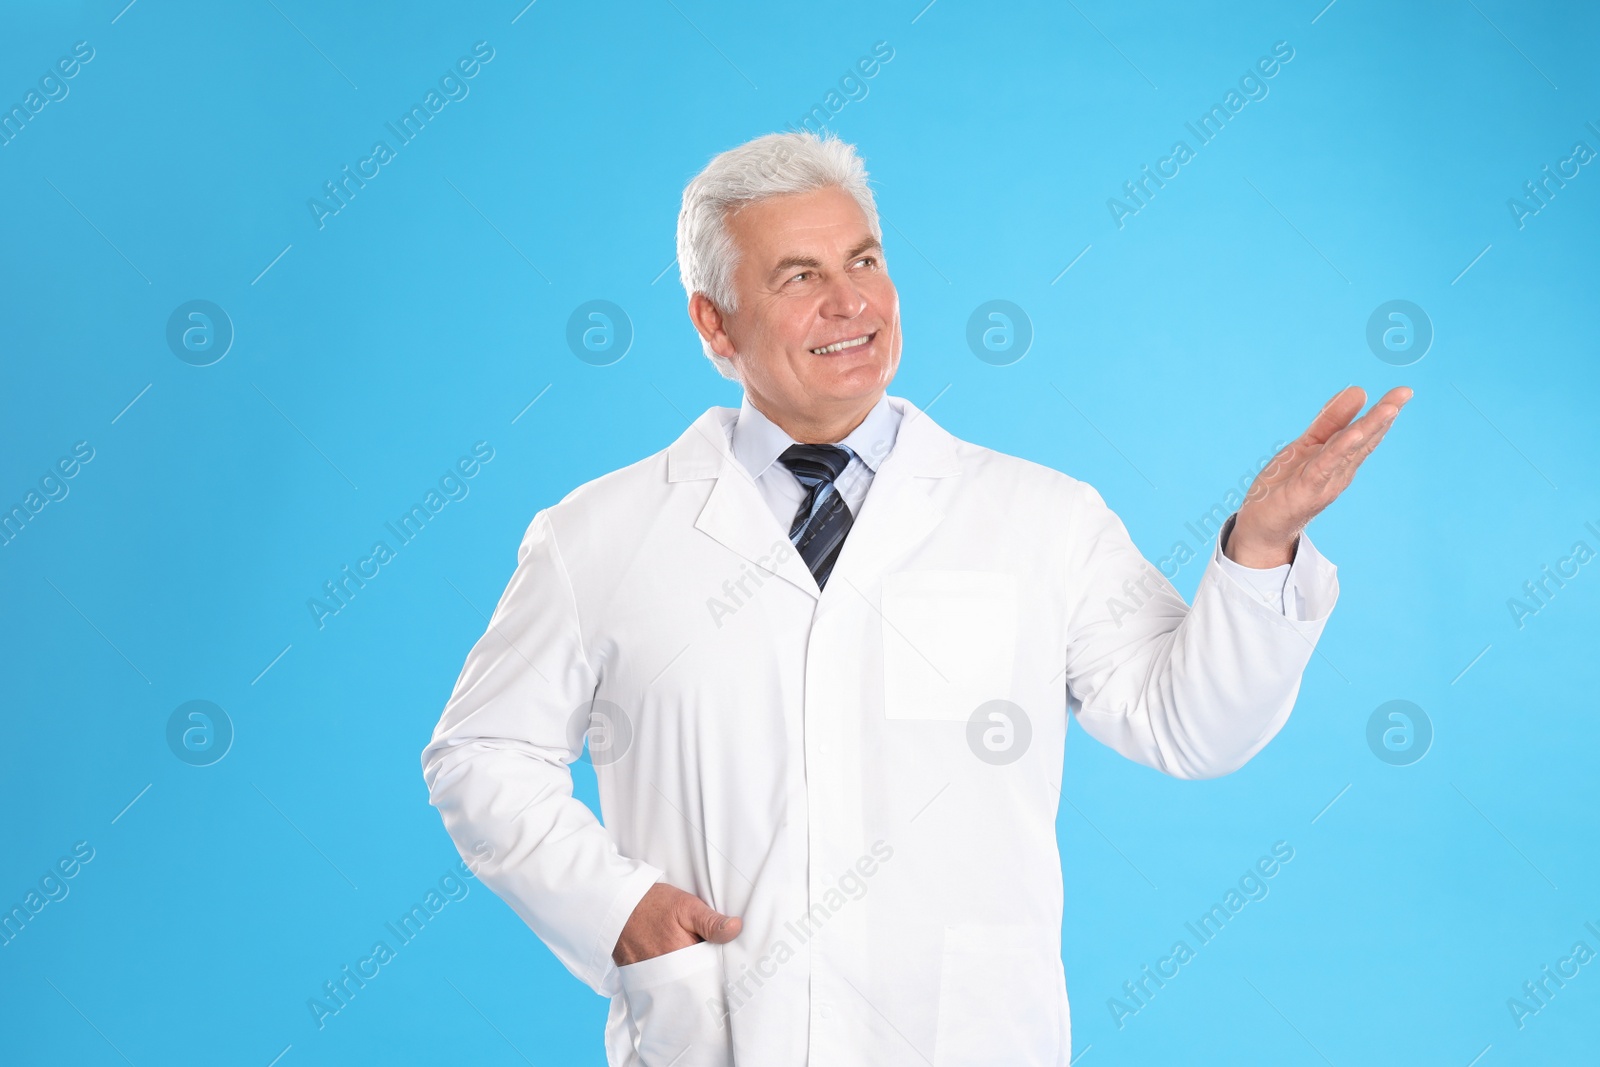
x,y
817,427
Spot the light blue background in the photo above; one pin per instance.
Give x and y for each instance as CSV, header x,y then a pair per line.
x,y
427,315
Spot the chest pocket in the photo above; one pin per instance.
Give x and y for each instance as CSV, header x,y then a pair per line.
x,y
949,641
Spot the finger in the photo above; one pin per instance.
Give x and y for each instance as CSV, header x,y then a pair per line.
x,y
1334,457
1389,405
1381,415
1344,470
1332,470
1347,473
1335,414
1395,398
708,923
727,929
1360,434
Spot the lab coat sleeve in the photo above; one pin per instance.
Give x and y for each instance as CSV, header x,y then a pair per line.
x,y
1299,590
1193,692
1266,582
498,770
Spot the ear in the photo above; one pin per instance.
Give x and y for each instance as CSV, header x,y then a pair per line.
x,y
708,321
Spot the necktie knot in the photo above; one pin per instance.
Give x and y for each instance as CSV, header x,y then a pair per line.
x,y
816,464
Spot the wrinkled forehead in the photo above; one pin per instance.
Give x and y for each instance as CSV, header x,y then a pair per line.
x,y
820,225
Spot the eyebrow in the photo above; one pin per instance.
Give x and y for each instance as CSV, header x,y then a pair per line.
x,y
868,245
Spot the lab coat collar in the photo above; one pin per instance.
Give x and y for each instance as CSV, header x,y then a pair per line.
x,y
898,513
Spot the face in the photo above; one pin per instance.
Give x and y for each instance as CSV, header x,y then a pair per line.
x,y
816,337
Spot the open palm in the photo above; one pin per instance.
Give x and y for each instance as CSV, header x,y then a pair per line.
x,y
1308,475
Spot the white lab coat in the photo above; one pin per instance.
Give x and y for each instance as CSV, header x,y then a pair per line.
x,y
810,762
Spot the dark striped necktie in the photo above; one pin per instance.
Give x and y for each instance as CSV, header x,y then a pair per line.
x,y
824,518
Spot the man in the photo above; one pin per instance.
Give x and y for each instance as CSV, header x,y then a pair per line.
x,y
829,652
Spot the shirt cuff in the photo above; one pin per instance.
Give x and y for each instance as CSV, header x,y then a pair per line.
x,y
1303,590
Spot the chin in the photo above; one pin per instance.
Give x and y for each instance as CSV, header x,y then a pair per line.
x,y
854,382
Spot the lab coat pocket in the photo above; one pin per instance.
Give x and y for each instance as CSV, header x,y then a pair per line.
x,y
1001,997
679,1008
949,639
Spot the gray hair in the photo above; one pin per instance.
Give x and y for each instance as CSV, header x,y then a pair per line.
x,y
770,165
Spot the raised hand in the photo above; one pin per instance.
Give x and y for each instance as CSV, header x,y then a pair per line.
x,y
1308,475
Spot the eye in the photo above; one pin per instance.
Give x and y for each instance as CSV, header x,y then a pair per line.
x,y
802,274
871,261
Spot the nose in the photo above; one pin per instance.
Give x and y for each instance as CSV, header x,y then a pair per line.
x,y
841,299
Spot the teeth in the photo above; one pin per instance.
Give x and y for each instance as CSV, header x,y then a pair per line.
x,y
842,345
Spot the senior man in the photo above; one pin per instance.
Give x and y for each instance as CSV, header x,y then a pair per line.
x,y
824,654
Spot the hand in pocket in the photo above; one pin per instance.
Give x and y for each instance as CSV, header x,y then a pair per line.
x,y
667,919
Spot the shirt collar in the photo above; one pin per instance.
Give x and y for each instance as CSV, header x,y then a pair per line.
x,y
757,441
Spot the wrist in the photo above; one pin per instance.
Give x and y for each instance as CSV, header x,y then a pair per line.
x,y
1249,548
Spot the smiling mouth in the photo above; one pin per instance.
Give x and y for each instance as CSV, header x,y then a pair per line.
x,y
840,346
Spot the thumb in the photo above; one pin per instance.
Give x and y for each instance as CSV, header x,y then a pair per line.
x,y
710,924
